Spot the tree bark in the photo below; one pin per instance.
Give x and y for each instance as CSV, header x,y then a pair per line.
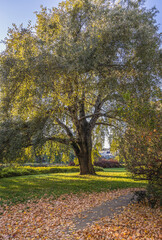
x,y
86,166
83,144
84,153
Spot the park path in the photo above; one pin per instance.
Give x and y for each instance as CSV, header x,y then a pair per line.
x,y
106,209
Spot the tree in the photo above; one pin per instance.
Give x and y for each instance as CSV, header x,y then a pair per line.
x,y
65,79
140,145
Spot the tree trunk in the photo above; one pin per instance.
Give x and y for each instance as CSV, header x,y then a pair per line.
x,y
86,166
84,154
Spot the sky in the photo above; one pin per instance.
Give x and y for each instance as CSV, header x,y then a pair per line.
x,y
21,11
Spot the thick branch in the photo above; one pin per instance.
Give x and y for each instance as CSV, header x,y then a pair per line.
x,y
66,141
57,139
98,105
89,116
82,107
99,114
68,131
74,117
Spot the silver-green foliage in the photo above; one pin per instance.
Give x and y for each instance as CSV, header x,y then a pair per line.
x,y
70,72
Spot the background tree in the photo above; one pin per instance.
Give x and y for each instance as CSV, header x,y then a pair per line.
x,y
65,79
140,145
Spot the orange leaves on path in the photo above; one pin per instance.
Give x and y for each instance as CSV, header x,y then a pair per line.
x,y
49,219
137,222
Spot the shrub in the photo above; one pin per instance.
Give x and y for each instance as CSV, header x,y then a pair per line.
x,y
71,164
140,146
21,171
111,163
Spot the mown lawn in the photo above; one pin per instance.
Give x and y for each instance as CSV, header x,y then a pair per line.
x,y
19,189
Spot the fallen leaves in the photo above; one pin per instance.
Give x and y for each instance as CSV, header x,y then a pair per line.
x,y
50,219
137,222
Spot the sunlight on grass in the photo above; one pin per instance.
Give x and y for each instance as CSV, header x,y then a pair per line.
x,y
17,189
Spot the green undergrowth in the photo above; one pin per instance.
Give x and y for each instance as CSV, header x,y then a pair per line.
x,y
23,188
22,171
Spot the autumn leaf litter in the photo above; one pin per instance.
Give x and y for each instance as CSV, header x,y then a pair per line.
x,y
50,219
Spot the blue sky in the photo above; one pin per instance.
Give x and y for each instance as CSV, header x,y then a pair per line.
x,y
21,11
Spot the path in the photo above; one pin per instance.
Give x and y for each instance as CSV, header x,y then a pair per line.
x,y
108,208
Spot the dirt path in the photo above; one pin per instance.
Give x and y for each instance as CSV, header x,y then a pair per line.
x,y
108,208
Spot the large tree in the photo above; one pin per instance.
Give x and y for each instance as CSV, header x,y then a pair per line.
x,y
66,77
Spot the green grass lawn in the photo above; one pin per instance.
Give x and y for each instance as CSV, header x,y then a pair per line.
x,y
115,170
16,189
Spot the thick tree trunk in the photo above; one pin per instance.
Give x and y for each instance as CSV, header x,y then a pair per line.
x,y
86,166
82,145
84,154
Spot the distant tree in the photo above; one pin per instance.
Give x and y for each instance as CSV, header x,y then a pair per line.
x,y
64,80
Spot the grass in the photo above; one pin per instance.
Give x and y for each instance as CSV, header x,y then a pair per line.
x,y
115,170
20,189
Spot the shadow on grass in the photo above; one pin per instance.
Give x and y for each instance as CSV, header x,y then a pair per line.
x,y
113,176
20,189
115,170
102,176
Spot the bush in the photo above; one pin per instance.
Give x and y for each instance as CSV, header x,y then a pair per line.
x,y
111,163
140,146
145,197
71,164
21,171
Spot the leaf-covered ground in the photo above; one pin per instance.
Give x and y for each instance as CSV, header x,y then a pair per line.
x,y
49,219
137,222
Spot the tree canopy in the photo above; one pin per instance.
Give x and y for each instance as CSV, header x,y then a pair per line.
x,y
69,76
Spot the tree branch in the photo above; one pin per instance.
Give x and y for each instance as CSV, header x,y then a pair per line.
x,y
68,131
98,105
59,140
